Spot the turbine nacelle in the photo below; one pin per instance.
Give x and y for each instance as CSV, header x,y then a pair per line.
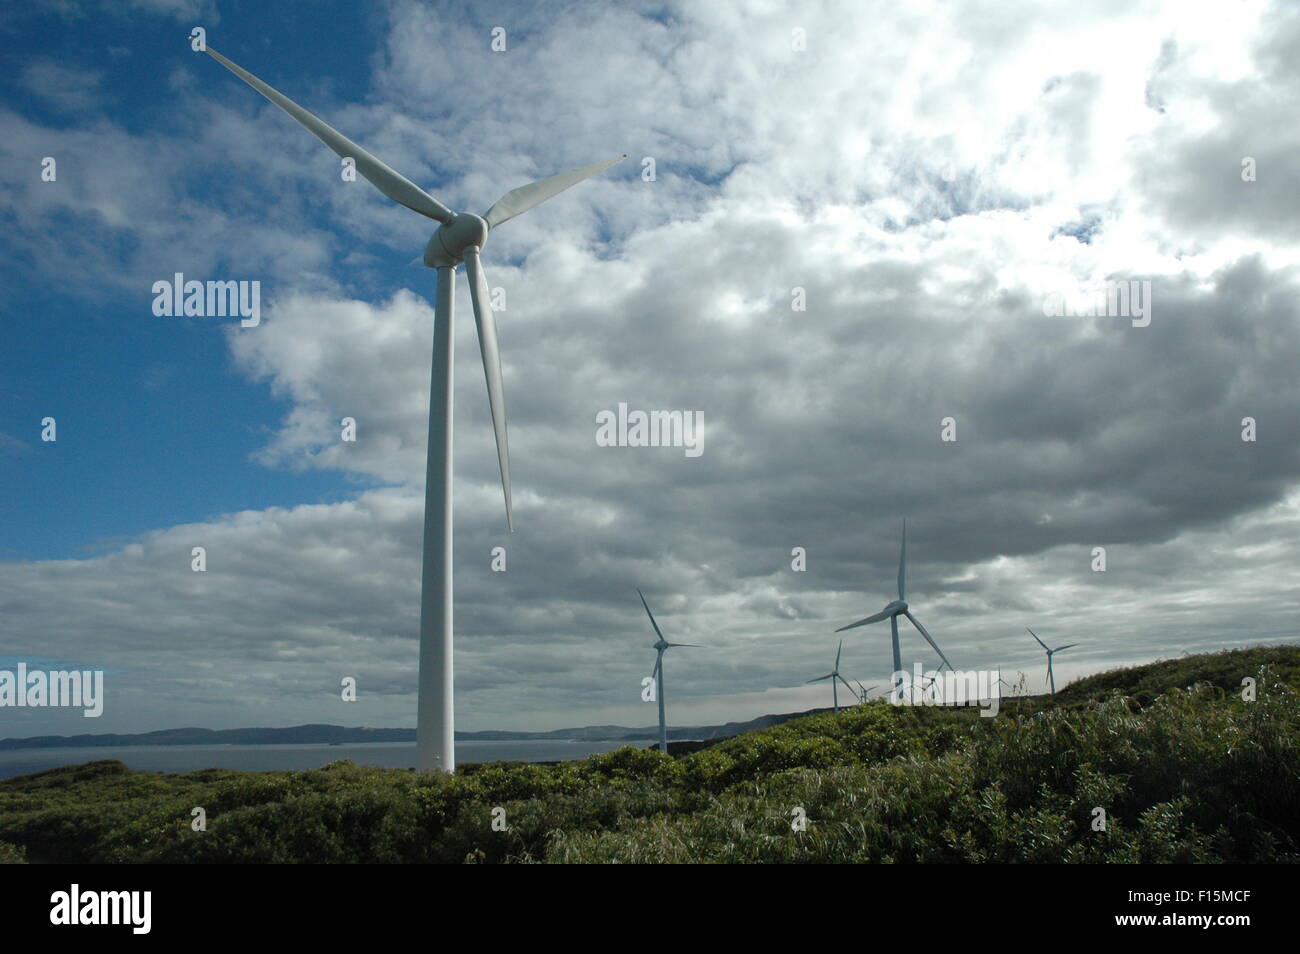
x,y
895,608
447,246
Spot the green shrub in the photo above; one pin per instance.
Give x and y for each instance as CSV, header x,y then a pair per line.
x,y
12,854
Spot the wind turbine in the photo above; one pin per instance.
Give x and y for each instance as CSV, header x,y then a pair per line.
x,y
896,609
833,675
862,693
458,239
661,646
1051,678
926,681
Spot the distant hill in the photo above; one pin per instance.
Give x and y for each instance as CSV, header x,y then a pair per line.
x,y
320,733
1223,670
299,734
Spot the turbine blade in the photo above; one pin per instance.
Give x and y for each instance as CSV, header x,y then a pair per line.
x,y
1035,635
838,652
517,201
487,343
902,566
1059,648
847,685
388,181
659,667
819,678
883,614
651,615
933,644
692,645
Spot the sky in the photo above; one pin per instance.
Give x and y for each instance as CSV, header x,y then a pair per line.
x,y
922,178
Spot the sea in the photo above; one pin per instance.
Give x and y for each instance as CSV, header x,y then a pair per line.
x,y
269,758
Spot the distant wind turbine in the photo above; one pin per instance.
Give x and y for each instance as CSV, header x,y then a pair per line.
x,y
927,680
1051,678
458,240
661,645
862,693
896,609
833,675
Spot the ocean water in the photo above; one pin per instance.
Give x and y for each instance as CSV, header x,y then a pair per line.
x,y
266,758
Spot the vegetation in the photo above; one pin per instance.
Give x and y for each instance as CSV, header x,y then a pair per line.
x,y
1184,769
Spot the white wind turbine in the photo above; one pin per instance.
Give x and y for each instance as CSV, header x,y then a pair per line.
x,y
661,646
833,675
458,239
1051,678
896,609
862,692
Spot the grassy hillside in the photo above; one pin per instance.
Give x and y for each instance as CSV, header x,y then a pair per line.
x,y
1184,769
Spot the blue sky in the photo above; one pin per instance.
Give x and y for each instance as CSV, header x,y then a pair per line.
x,y
155,426
924,176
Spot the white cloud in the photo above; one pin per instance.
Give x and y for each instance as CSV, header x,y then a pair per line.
x,y
67,88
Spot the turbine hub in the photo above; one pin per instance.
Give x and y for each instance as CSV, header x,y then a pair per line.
x,y
896,607
447,245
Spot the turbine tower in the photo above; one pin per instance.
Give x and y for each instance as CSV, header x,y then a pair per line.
x,y
894,610
661,645
834,675
459,239
1051,678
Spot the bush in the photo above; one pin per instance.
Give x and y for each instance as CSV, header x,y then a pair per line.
x,y
12,854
